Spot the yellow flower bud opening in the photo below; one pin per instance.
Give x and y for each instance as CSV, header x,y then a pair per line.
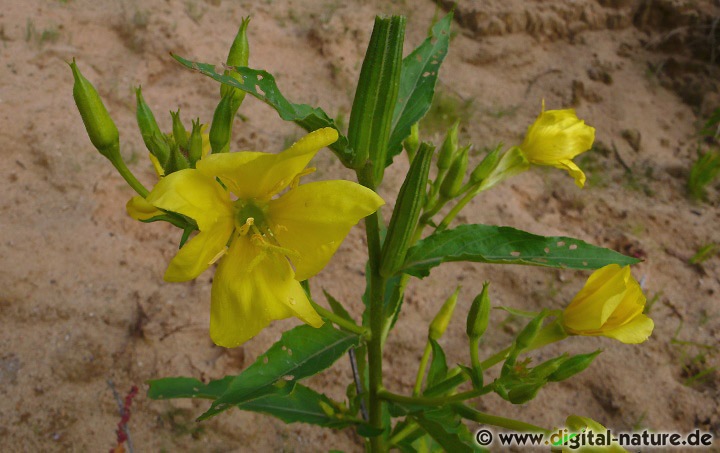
x,y
610,304
555,138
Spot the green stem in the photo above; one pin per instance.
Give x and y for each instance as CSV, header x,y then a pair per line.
x,y
502,422
455,210
437,400
339,321
421,369
410,428
474,350
129,177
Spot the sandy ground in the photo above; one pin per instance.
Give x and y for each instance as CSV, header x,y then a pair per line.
x,y
82,299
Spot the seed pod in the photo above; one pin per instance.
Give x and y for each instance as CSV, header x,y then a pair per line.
x,y
179,132
238,56
100,127
440,323
151,133
485,167
479,315
221,126
405,216
195,144
449,147
528,334
451,185
573,366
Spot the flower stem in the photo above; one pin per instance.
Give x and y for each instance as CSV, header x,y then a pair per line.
x,y
445,222
434,400
339,321
421,369
129,177
502,422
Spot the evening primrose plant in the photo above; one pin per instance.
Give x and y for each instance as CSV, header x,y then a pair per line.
x,y
268,232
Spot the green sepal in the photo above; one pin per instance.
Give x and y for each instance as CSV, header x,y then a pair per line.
x,y
486,166
179,132
448,150
377,91
221,126
195,143
151,134
573,366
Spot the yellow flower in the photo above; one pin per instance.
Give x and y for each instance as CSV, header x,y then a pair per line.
x,y
578,425
137,207
610,304
259,228
555,138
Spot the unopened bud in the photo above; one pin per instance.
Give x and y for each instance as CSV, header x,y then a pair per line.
x,y
479,315
486,166
238,56
100,127
528,334
179,132
221,126
573,366
412,141
451,185
449,147
442,319
150,131
525,391
195,144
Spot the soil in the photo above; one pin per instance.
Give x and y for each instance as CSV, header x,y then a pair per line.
x,y
82,300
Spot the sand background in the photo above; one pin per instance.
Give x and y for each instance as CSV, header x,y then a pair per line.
x,y
82,298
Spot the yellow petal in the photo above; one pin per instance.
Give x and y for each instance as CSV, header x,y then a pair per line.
x,y
200,252
557,135
252,288
595,303
635,331
159,170
577,425
261,175
193,194
313,219
574,171
139,209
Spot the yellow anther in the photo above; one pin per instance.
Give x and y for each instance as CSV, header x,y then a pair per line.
x,y
259,241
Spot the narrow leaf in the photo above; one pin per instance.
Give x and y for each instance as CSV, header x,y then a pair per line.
x,y
438,366
301,352
338,307
417,84
447,429
506,245
261,84
183,387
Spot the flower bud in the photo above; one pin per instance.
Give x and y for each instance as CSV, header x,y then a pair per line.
x,y
177,160
572,366
479,315
412,142
100,127
449,147
453,181
238,56
195,143
548,367
442,319
485,167
179,132
524,392
526,336
150,131
221,126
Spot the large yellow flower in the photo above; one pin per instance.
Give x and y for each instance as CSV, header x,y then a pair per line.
x,y
610,304
555,138
247,217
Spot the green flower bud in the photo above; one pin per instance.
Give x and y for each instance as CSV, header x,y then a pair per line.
x,y
573,366
479,315
406,214
512,162
525,391
527,335
150,131
221,126
195,144
449,147
238,56
548,367
412,142
485,167
179,132
100,127
451,185
177,160
442,319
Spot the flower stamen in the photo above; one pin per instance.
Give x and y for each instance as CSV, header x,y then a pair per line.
x,y
259,241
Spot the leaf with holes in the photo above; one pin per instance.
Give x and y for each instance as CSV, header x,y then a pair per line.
x,y
183,387
301,352
506,245
261,84
417,84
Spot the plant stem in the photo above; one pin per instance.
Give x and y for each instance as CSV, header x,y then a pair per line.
x,y
339,321
434,401
421,369
129,177
502,422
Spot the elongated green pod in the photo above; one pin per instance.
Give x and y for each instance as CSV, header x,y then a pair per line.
x,y
441,321
150,131
407,211
479,314
527,335
446,155
99,125
573,366
221,126
179,132
195,143
238,56
486,166
453,181
371,116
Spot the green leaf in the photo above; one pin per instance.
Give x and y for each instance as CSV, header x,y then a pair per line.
x,y
506,245
417,84
301,352
447,429
438,366
261,84
302,405
337,307
183,387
